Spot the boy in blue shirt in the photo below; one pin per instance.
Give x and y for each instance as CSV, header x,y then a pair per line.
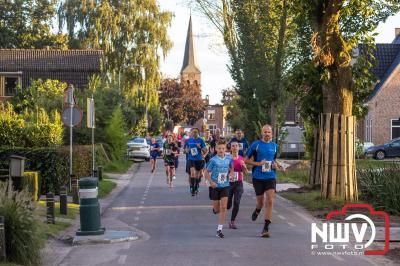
x,y
196,149
262,156
217,172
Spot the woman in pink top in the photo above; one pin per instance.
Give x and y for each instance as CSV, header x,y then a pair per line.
x,y
236,182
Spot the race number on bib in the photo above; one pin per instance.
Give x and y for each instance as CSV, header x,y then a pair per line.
x,y
266,167
168,152
222,178
194,151
240,146
235,177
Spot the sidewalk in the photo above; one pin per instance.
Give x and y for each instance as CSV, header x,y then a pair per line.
x,y
57,249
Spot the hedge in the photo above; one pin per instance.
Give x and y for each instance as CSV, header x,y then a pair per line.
x,y
31,182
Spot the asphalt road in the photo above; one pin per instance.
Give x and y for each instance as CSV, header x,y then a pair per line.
x,y
178,229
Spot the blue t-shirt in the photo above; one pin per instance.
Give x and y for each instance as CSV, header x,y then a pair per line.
x,y
154,146
219,170
194,149
243,145
265,151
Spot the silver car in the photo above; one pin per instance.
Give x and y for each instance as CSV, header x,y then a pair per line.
x,y
138,148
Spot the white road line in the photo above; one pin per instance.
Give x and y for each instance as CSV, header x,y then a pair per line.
x,y
127,246
136,218
337,258
234,254
307,219
291,224
281,217
122,259
140,207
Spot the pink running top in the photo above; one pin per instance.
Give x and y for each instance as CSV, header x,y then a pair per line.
x,y
237,167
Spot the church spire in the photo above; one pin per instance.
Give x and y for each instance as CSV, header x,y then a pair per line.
x,y
190,70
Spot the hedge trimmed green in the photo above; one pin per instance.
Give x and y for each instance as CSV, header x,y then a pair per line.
x,y
30,181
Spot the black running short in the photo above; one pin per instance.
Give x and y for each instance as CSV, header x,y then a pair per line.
x,y
170,163
218,193
260,186
198,164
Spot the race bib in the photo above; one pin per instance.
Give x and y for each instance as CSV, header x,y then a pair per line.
x,y
234,177
222,178
168,152
194,151
240,146
266,167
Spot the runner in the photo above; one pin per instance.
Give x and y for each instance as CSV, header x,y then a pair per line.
x,y
196,149
154,150
241,140
264,163
217,137
170,151
236,183
217,173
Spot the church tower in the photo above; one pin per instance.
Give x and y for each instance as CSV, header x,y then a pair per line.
x,y
190,72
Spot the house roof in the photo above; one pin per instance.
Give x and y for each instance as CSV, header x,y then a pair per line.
x,y
50,60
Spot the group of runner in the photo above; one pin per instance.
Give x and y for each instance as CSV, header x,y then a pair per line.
x,y
208,157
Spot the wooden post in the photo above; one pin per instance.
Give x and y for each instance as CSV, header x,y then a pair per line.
x,y
50,208
63,200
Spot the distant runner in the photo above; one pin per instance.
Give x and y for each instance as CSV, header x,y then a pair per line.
x,y
170,151
241,140
154,150
217,173
264,154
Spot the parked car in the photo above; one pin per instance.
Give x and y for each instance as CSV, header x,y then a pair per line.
x,y
138,148
380,152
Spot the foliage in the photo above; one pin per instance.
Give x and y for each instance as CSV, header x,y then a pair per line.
x,y
115,134
105,187
182,102
22,226
28,24
380,186
30,181
140,128
120,166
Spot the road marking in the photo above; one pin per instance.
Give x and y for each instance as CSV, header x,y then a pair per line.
x,y
136,218
291,224
307,219
235,255
122,259
281,217
140,207
127,245
337,258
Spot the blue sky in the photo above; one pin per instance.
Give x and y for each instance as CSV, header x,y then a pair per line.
x,y
212,57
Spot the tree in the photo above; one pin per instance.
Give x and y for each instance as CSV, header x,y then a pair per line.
x,y
28,24
115,133
337,27
183,101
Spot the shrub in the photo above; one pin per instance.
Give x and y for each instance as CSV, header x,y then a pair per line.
x,y
115,135
22,227
381,187
30,181
11,126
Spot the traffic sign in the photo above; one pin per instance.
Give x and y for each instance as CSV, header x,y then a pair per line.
x,y
76,116
69,97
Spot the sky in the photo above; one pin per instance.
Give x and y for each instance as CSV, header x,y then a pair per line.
x,y
211,55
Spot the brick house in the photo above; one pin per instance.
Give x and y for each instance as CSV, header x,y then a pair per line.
x,y
382,123
19,66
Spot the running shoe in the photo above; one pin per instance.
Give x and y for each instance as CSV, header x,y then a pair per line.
x,y
254,215
265,233
174,177
220,234
232,225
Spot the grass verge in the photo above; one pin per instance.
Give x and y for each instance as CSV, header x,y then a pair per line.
x,y
117,166
105,187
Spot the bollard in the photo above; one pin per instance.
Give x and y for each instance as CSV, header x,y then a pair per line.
x,y
74,185
50,208
89,208
100,172
3,256
63,200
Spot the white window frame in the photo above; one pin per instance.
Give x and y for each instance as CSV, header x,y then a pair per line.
x,y
391,127
210,112
212,128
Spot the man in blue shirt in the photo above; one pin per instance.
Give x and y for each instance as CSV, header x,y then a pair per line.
x,y
154,150
241,140
196,149
262,156
217,172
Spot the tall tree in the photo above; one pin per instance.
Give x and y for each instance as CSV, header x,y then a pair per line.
x,y
338,26
28,24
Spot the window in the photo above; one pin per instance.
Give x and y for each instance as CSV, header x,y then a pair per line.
x,y
8,84
368,129
212,128
395,131
211,115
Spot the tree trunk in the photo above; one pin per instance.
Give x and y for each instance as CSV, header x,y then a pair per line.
x,y
332,53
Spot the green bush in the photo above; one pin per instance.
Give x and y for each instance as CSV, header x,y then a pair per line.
x,y
30,181
22,226
11,126
115,135
381,186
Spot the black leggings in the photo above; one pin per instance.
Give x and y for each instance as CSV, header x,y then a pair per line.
x,y
235,194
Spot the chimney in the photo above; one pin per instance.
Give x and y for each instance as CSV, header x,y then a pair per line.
x,y
397,32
